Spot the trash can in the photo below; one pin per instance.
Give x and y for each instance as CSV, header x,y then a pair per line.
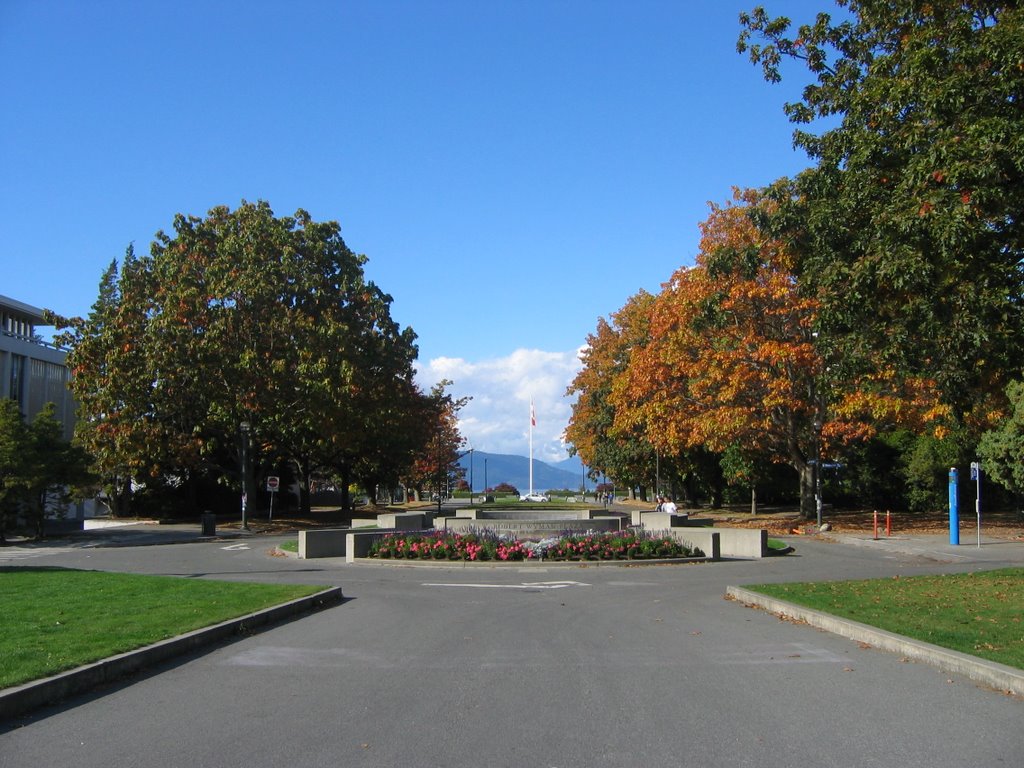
x,y
209,521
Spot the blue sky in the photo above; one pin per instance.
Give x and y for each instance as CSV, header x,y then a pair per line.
x,y
512,170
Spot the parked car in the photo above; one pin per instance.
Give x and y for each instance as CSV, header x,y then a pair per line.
x,y
533,497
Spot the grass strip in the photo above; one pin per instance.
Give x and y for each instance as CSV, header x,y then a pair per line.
x,y
57,619
974,613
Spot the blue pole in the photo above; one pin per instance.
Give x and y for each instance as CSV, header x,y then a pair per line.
x,y
954,512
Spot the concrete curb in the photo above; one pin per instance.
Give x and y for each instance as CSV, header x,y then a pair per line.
x,y
24,698
993,674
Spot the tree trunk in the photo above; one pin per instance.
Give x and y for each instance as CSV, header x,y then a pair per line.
x,y
346,499
192,492
717,495
305,478
808,508
753,499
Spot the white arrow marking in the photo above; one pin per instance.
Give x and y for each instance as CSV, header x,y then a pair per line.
x,y
527,585
235,547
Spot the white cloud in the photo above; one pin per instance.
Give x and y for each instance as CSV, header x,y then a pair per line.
x,y
497,419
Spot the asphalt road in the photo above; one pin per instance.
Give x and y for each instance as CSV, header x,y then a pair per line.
x,y
545,666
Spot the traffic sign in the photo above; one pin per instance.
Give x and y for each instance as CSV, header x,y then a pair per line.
x,y
273,483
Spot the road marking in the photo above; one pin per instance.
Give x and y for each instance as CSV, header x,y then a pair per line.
x,y
9,554
235,547
524,585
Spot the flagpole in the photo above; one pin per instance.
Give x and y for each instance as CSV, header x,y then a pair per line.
x,y
533,420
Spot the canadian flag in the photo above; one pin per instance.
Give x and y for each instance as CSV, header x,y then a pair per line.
x,y
533,415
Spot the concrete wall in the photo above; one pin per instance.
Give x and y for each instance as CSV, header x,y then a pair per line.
x,y
708,541
531,528
403,521
358,544
528,514
661,521
715,543
733,542
323,542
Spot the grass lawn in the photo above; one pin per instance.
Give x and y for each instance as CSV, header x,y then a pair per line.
x,y
976,613
57,619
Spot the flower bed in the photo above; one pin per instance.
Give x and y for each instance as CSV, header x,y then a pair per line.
x,y
486,545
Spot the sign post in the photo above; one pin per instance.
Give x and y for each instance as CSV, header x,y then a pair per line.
x,y
954,511
273,483
976,477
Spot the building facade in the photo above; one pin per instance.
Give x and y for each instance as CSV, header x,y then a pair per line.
x,y
32,372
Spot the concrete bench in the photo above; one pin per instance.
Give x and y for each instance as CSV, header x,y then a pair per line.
x,y
706,540
404,521
322,542
732,542
661,521
339,542
358,544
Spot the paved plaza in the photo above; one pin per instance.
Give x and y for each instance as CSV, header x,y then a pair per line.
x,y
574,665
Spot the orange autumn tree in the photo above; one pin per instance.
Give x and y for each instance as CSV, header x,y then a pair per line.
x,y
732,359
626,455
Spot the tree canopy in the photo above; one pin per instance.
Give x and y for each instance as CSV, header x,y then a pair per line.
x,y
626,455
241,316
40,471
908,227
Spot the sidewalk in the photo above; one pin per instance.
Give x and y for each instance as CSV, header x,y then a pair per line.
x,y
937,546
140,533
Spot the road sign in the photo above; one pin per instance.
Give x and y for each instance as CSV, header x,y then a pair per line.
x,y
273,484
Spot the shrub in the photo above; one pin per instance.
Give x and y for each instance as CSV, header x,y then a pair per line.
x,y
487,545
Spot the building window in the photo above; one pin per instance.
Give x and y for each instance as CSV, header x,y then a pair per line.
x,y
17,376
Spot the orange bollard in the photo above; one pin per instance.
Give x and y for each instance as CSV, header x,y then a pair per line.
x,y
888,523
876,525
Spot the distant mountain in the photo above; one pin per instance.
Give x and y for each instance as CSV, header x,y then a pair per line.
x,y
490,469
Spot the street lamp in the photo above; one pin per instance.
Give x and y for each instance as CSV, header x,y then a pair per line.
x,y
244,427
817,468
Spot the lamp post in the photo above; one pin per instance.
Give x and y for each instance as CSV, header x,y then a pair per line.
x,y
817,468
657,476
440,474
485,479
470,475
244,428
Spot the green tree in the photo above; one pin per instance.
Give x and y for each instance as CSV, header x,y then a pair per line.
x,y
437,462
13,442
53,469
40,471
909,226
111,382
239,317
1002,449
